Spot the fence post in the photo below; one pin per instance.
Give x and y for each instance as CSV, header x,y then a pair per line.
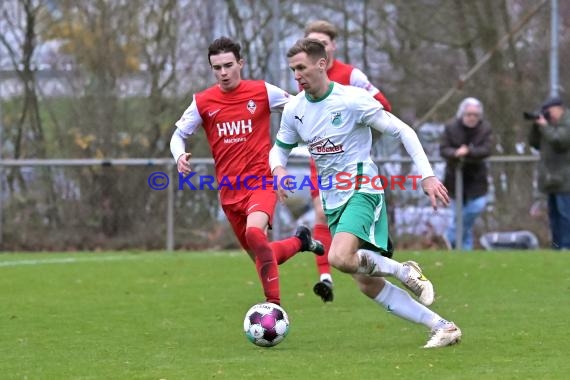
x,y
554,46
1,178
170,210
459,205
1,204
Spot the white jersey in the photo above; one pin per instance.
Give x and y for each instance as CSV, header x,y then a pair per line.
x,y
336,129
337,136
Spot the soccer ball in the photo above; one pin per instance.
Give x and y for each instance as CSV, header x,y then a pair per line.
x,y
266,324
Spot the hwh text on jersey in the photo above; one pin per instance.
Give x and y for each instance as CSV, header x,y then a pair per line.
x,y
234,128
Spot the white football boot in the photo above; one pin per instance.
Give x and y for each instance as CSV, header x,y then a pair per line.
x,y
445,334
417,283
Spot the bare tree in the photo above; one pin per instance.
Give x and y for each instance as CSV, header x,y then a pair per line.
x,y
20,41
26,19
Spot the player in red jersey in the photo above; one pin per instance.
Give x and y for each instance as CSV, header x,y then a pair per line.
x,y
235,115
346,74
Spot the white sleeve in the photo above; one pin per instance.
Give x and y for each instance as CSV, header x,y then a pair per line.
x,y
359,79
278,156
177,144
277,97
185,127
287,138
190,120
386,122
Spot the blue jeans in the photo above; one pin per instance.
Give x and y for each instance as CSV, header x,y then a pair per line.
x,y
559,216
472,208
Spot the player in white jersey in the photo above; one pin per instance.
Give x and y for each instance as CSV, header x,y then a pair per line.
x,y
339,140
335,121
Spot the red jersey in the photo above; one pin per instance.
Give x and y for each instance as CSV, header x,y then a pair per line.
x,y
237,126
349,75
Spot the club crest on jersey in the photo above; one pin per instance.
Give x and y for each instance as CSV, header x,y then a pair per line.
x,y
251,106
324,146
336,118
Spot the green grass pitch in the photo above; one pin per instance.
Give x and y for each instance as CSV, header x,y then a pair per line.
x,y
158,315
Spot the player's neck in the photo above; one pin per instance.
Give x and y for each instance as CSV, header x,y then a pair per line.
x,y
230,87
322,91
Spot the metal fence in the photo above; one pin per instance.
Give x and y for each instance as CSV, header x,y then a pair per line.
x,y
109,204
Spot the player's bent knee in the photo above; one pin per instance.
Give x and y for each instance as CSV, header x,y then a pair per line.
x,y
342,254
334,259
341,261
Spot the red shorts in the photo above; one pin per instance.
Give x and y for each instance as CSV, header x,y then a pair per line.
x,y
314,180
258,200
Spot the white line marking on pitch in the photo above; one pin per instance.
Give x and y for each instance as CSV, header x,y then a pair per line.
x,y
72,260
65,260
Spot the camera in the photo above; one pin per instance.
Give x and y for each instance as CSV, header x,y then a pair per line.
x,y
532,115
535,115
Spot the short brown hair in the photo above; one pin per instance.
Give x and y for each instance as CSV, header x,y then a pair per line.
x,y
224,45
321,26
312,47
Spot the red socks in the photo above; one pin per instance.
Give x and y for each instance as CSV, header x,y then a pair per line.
x,y
269,255
285,249
265,263
321,232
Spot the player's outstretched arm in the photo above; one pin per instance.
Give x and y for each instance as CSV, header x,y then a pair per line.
x,y
386,122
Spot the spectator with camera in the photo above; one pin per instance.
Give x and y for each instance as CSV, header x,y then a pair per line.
x,y
550,134
466,142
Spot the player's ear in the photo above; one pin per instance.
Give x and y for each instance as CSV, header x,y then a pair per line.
x,y
241,63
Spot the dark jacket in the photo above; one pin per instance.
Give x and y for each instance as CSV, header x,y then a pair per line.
x,y
553,141
478,139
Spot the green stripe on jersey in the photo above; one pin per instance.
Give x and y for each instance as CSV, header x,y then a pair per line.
x,y
283,145
359,171
316,100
